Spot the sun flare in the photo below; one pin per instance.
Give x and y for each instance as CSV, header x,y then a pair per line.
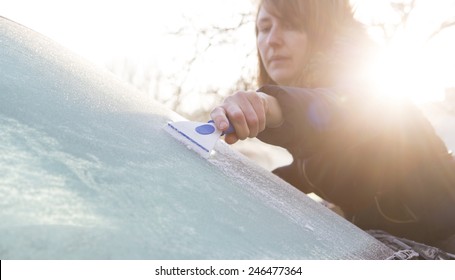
x,y
411,65
405,71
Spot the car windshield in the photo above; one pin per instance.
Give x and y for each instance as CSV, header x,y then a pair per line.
x,y
87,172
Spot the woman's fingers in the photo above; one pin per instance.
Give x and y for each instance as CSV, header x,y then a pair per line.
x,y
245,111
237,117
231,138
258,120
218,115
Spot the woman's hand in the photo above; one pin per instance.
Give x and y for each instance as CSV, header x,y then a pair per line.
x,y
250,112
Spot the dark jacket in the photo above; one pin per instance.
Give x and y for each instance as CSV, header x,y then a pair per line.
x,y
380,161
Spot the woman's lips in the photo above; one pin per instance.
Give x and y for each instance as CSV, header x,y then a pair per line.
x,y
278,59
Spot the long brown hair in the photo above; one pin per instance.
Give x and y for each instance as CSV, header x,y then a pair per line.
x,y
322,20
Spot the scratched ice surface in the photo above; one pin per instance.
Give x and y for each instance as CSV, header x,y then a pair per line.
x,y
87,172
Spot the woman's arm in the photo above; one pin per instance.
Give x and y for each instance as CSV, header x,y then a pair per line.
x,y
307,117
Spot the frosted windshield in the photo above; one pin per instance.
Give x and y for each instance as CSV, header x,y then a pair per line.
x,y
87,172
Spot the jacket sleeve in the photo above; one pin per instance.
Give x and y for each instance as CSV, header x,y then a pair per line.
x,y
308,116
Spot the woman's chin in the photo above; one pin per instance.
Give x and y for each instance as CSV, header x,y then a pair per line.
x,y
282,81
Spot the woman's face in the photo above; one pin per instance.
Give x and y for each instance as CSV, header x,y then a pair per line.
x,y
281,47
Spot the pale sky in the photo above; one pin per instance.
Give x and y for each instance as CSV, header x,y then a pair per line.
x,y
101,29
106,30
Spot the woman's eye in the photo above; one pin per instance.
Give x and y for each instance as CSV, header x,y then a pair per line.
x,y
264,29
289,26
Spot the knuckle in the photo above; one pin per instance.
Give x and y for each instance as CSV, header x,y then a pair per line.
x,y
241,94
243,136
229,99
236,116
217,110
253,122
253,96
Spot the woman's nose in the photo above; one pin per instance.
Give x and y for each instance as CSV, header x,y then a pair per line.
x,y
275,37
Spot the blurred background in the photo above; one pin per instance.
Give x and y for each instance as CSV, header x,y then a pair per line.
x,y
189,55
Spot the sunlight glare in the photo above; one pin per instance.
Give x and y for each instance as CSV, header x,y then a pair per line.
x,y
405,71
409,66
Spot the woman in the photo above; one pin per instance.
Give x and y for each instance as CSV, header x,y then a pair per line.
x,y
380,161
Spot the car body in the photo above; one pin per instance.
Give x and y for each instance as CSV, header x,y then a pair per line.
x,y
87,172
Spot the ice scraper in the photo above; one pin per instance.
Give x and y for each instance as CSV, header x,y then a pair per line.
x,y
198,136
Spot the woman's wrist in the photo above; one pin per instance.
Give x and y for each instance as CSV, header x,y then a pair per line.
x,y
274,115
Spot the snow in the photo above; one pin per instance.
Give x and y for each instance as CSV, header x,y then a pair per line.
x,y
87,172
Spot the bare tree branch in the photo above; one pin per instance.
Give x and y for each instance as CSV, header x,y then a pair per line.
x,y
203,39
442,27
404,9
